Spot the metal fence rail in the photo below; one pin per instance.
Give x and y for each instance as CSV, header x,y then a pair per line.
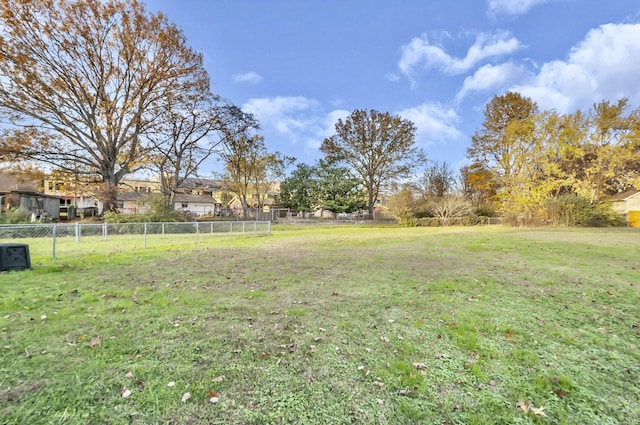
x,y
78,238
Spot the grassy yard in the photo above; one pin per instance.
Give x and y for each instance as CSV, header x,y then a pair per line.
x,y
331,325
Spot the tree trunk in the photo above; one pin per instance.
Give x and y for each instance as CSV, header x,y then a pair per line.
x,y
109,197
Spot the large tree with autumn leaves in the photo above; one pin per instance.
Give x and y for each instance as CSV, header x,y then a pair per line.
x,y
81,81
528,161
379,147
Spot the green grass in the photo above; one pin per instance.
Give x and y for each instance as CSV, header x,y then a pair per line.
x,y
336,325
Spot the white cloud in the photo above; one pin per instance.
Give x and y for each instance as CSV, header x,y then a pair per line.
x,y
285,115
250,77
434,123
294,121
326,128
489,77
512,7
604,66
392,76
421,53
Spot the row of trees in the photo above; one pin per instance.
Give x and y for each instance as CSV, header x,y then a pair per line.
x,y
369,151
531,165
96,90
101,89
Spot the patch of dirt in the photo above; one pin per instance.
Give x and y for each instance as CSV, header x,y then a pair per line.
x,y
17,393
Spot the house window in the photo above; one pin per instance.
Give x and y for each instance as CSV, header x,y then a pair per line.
x,y
50,185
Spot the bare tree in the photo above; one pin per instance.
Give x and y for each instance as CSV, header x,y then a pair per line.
x,y
79,81
450,206
190,133
437,181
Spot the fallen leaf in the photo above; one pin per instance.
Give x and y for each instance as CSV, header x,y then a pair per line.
x,y
126,393
509,334
537,411
171,384
186,397
523,406
128,374
218,379
385,339
214,399
213,394
419,365
559,393
95,341
380,401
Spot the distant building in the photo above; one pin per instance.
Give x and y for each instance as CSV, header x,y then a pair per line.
x,y
628,203
25,194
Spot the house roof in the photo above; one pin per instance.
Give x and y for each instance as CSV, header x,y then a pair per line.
x,y
625,194
200,199
9,183
197,182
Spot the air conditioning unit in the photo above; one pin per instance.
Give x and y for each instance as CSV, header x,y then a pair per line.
x,y
14,256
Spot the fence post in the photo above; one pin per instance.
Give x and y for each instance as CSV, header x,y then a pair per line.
x,y
255,227
77,232
243,227
269,227
162,230
104,231
54,241
145,235
197,232
231,228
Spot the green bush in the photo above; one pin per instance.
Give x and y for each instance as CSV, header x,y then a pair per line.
x,y
15,216
573,210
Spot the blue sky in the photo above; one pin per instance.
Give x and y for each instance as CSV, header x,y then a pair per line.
x,y
299,65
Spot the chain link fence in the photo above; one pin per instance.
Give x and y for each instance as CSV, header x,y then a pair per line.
x,y
59,240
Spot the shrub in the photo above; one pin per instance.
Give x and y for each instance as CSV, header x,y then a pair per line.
x,y
574,210
15,216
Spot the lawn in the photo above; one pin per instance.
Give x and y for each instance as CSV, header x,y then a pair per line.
x,y
330,325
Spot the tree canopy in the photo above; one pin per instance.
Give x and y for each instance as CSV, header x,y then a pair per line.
x,y
324,186
531,161
82,81
378,146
